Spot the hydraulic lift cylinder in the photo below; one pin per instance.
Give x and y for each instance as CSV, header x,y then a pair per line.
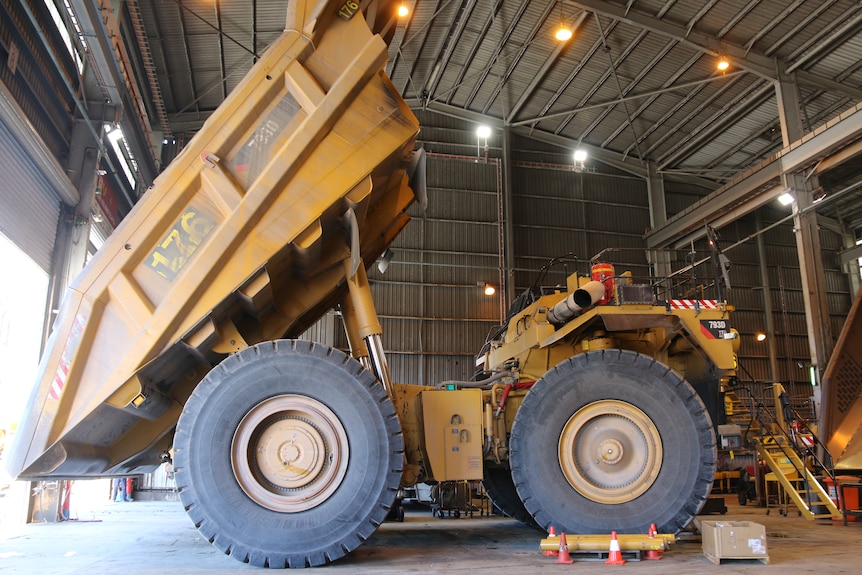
x,y
367,323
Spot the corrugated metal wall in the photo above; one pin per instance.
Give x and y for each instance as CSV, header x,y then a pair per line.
x,y
558,210
32,80
434,312
29,208
30,72
430,300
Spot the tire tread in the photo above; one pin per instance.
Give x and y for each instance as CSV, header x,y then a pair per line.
x,y
343,542
528,422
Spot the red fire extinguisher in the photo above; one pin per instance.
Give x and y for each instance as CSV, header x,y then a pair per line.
x,y
604,272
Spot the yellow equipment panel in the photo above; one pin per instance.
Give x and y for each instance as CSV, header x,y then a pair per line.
x,y
453,433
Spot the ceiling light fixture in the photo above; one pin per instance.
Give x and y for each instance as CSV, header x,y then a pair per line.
x,y
760,336
403,10
563,33
580,156
819,195
385,259
786,198
723,63
482,133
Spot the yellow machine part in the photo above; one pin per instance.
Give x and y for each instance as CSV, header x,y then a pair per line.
x,y
453,433
686,339
842,394
601,542
240,240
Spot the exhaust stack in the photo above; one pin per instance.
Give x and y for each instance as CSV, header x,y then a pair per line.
x,y
587,295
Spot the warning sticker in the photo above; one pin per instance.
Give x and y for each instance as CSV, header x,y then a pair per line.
x,y
714,328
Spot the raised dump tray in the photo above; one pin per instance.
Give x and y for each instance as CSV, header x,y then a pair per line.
x,y
240,240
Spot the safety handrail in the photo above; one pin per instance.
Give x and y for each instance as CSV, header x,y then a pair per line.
x,y
788,437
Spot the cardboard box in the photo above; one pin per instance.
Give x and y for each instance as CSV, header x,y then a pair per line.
x,y
733,540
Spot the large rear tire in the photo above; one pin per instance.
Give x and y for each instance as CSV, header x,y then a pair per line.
x,y
612,441
500,488
288,454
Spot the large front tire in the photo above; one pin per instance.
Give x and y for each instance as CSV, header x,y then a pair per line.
x,y
612,441
288,454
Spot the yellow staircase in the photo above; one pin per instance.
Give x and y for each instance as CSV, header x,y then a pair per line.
x,y
797,483
781,453
738,412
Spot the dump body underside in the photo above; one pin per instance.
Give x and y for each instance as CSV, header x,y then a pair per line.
x,y
242,239
842,394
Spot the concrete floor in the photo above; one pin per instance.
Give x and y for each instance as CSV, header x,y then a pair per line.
x,y
157,538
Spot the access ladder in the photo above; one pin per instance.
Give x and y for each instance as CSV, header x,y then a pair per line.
x,y
798,483
783,453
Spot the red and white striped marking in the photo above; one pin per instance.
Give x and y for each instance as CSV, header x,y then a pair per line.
x,y
693,304
66,357
806,440
59,380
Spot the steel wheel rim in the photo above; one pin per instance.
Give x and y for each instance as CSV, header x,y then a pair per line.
x,y
289,453
610,452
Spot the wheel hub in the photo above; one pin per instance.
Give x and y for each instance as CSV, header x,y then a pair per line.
x,y
289,453
610,451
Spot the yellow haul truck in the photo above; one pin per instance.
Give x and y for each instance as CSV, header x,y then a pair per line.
x,y
175,342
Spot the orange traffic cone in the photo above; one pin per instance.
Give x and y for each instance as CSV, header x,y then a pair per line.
x,y
652,554
615,556
563,558
552,534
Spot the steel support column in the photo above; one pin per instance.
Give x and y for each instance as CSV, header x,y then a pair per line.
x,y
768,318
811,269
508,225
849,258
807,234
657,217
849,262
73,228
